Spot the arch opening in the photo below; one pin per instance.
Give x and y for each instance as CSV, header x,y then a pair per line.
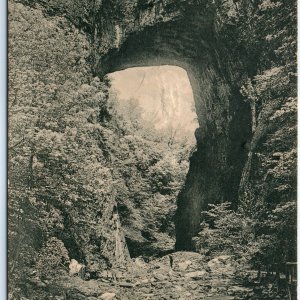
x,y
154,109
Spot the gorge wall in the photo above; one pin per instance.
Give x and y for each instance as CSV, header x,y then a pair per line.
x,y
87,183
126,34
219,47
184,34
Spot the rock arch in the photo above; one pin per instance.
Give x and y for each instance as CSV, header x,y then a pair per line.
x,y
216,167
130,33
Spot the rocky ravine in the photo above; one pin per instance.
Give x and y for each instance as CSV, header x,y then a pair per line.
x,y
190,277
125,33
209,39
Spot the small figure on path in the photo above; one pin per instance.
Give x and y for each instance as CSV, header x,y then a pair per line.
x,y
171,261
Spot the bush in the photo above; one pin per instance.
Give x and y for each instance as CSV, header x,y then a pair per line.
x,y
254,242
53,260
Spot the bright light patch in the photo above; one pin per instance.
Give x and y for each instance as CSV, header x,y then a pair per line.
x,y
164,93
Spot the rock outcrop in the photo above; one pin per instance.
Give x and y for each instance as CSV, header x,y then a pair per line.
x,y
127,34
184,34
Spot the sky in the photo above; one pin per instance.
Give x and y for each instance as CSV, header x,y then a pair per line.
x,y
164,93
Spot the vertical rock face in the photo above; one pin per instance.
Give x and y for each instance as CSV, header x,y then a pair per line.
x,y
189,41
127,34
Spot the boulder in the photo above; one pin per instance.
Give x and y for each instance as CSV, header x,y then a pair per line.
x,y
221,264
195,275
76,268
126,284
160,277
108,296
182,266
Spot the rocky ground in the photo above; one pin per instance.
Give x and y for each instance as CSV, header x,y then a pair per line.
x,y
190,277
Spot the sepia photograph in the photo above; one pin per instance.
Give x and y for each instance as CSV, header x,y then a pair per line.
x,y
152,149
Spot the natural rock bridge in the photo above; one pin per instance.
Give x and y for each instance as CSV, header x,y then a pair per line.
x,y
188,34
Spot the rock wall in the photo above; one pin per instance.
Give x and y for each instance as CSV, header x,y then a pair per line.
x,y
189,40
126,34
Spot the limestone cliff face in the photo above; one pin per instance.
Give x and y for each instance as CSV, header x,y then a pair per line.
x,y
185,35
126,33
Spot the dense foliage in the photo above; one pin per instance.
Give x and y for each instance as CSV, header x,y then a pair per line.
x,y
149,170
74,153
255,243
262,232
59,180
268,186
